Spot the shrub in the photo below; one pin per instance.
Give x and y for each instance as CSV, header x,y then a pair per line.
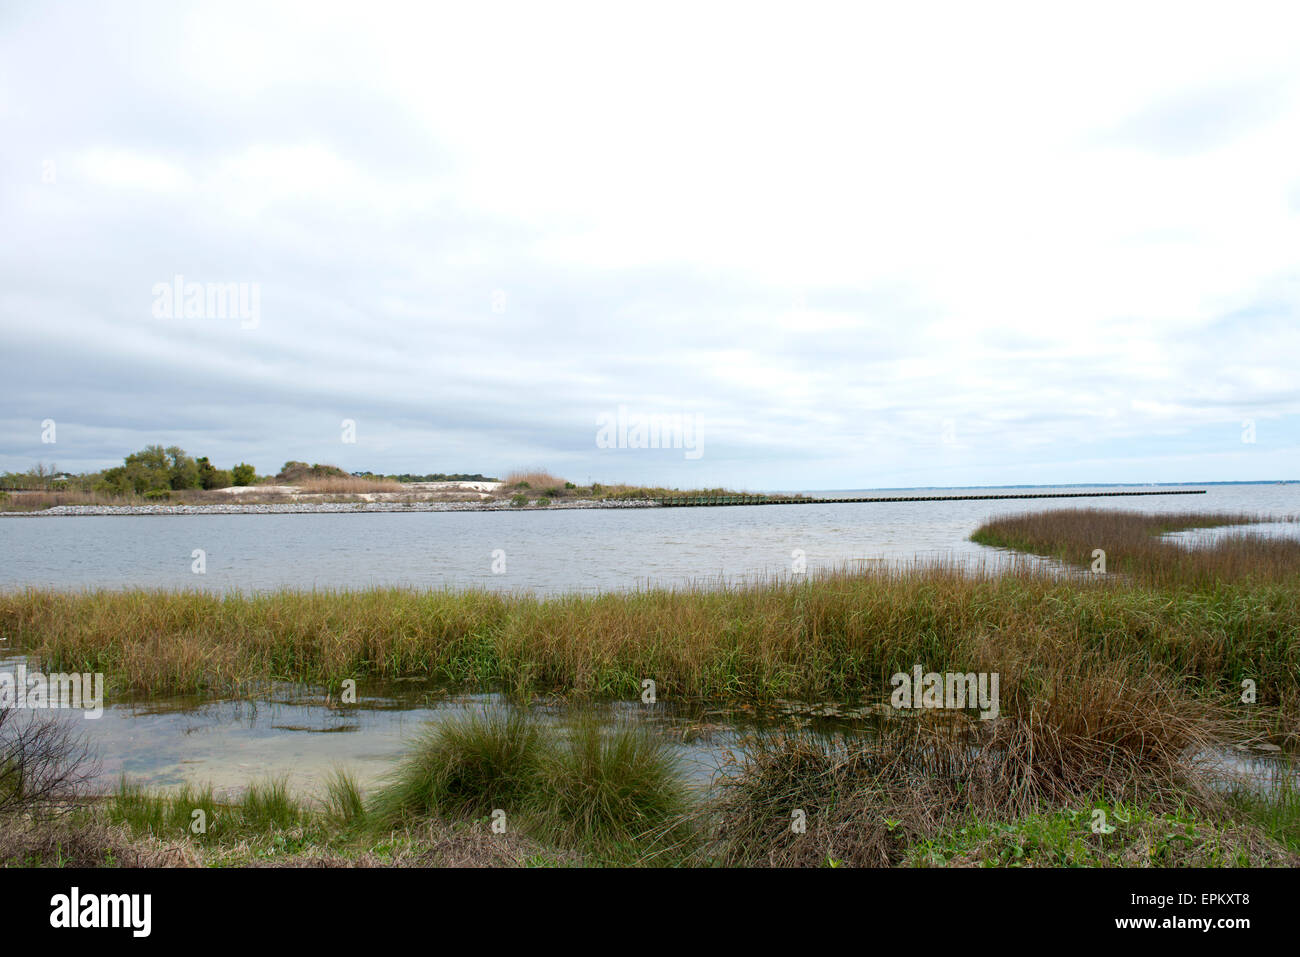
x,y
44,766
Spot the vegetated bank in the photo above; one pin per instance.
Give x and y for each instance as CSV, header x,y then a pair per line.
x,y
1113,688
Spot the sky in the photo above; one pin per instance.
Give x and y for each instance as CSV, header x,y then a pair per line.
x,y
862,246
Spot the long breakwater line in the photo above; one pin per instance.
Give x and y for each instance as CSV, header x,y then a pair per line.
x,y
680,501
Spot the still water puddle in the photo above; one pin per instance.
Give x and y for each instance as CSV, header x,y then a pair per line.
x,y
302,733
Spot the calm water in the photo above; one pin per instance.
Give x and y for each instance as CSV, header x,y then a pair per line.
x,y
546,551
302,735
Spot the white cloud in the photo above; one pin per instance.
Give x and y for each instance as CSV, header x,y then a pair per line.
x,y
809,228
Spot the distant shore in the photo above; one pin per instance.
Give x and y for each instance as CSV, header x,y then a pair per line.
x,y
324,508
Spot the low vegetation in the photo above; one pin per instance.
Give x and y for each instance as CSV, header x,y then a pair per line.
x,y
509,788
1118,692
1133,545
833,636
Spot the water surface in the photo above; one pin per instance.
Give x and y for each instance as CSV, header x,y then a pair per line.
x,y
545,551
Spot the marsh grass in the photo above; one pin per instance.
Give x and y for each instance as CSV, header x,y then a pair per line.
x,y
164,814
465,766
836,635
1101,737
268,805
1110,686
612,789
344,805
1275,809
264,807
1133,545
615,792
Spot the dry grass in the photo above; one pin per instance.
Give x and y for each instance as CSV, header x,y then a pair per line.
x,y
537,480
838,635
71,843
350,485
1073,729
1133,546
39,501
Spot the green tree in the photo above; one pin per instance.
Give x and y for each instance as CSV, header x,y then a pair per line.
x,y
153,469
243,474
141,472
182,471
212,477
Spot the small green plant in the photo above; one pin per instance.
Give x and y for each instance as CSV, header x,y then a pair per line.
x,y
518,501
344,806
268,805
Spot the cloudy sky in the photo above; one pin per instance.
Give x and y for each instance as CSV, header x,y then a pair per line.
x,y
851,246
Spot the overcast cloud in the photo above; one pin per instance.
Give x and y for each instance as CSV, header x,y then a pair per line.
x,y
906,245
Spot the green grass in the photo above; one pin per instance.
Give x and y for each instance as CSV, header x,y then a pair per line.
x,y
465,767
612,792
268,805
1275,811
344,805
264,807
612,788
1133,836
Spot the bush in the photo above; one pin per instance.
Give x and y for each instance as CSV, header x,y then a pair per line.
x,y
296,473
243,474
44,766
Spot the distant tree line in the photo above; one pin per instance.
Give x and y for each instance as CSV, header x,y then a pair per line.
x,y
151,471
155,470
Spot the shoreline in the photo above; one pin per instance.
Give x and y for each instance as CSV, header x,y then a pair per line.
x,y
318,508
502,505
